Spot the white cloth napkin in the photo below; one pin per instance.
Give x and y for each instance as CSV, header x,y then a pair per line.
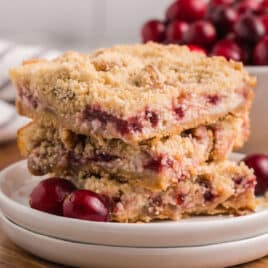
x,y
11,55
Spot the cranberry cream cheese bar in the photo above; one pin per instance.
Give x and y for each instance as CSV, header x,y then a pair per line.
x,y
222,188
154,163
132,92
148,128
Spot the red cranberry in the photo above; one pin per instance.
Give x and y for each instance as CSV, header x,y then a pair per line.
x,y
259,163
263,9
200,33
247,6
49,195
153,30
175,31
186,10
221,2
85,205
247,51
230,36
197,49
264,21
228,49
260,54
249,28
223,18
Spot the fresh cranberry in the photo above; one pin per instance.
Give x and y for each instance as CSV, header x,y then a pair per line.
x,y
49,194
224,18
221,2
175,31
196,48
260,54
249,28
85,205
200,33
263,8
247,6
247,51
228,49
230,36
153,30
264,21
259,163
186,10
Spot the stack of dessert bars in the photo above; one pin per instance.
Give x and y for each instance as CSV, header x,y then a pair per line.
x,y
148,126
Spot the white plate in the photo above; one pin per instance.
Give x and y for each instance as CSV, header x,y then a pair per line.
x,y
98,256
16,184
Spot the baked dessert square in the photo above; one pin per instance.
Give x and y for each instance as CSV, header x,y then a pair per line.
x,y
132,92
154,163
217,188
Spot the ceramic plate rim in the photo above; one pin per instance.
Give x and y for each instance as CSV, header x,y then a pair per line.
x,y
145,256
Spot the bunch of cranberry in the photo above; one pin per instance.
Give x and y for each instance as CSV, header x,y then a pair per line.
x,y
235,29
60,197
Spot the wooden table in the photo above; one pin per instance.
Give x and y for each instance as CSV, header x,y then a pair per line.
x,y
12,256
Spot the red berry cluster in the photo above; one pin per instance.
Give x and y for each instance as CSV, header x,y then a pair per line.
x,y
60,197
235,29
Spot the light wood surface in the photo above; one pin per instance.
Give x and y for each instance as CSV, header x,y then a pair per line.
x,y
12,256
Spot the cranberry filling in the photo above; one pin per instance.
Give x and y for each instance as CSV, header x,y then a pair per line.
x,y
155,164
157,201
179,112
208,196
30,99
245,93
158,164
213,99
152,117
123,126
134,125
180,199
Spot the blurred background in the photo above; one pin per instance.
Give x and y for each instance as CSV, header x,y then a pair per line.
x,y
81,25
